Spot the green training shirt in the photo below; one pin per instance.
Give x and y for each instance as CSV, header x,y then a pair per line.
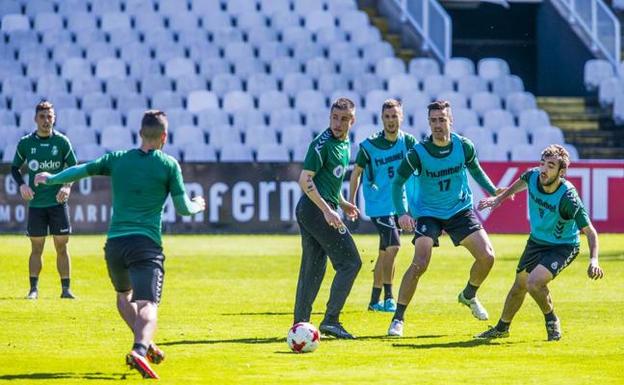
x,y
51,154
570,205
140,182
328,158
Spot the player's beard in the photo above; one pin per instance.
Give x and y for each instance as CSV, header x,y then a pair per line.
x,y
548,182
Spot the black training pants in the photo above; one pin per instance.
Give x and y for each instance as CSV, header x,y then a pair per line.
x,y
318,241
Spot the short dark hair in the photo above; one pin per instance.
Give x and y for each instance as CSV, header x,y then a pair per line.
x,y
153,124
439,105
559,152
391,103
44,105
343,104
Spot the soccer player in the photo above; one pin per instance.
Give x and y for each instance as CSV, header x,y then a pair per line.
x,y
141,180
323,232
378,158
556,214
45,150
444,202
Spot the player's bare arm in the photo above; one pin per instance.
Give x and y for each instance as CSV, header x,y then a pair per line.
x,y
495,201
306,182
594,271
354,182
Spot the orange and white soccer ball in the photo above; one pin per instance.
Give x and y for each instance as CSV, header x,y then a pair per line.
x,y
303,337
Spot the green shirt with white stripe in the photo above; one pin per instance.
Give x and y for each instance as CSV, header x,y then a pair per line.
x,y
51,154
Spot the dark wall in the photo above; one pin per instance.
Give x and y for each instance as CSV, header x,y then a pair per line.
x,y
561,55
493,31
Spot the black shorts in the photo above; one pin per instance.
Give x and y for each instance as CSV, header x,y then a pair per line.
x,y
54,217
388,231
458,227
553,257
136,262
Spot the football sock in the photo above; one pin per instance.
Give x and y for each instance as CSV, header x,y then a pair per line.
x,y
400,311
140,349
387,290
550,316
376,293
34,281
65,283
470,291
502,326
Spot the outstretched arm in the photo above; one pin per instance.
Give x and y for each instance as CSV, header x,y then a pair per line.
x,y
185,206
494,202
68,175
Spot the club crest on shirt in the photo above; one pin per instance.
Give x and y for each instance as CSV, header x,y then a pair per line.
x,y
54,151
554,265
338,171
33,165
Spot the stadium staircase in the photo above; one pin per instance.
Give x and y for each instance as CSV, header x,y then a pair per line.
x,y
379,21
586,126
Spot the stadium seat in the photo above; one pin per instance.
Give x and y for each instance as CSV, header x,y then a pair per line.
x,y
284,117
213,66
456,99
327,83
338,7
272,152
16,84
68,117
211,117
330,35
310,100
81,22
594,71
480,136
47,21
342,50
24,100
251,20
166,50
95,100
316,19
574,155
260,82
258,135
224,136
481,102
79,135
224,35
271,100
223,83
181,21
618,107
97,50
294,82
204,7
164,100
354,96
14,22
464,118
490,68
367,36
525,152
436,84
116,86
367,82
389,66
492,153
374,99
353,67
283,18
471,84
542,136
235,101
169,7
421,67
115,20
237,50
458,67
353,21
185,135
87,152
257,35
48,84
115,138
76,68
199,152
516,102
497,118
236,153
373,52
147,21
245,120
179,66
293,135
110,67
125,101
201,100
7,118
504,85
246,67
317,66
402,84
187,83
270,6
101,7
179,117
8,7
533,118
151,84
510,136
102,117
362,132
608,89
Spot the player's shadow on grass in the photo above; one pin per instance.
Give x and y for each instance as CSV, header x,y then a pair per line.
x,y
63,375
455,344
252,341
391,338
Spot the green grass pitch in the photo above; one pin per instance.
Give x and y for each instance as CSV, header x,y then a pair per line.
x,y
227,306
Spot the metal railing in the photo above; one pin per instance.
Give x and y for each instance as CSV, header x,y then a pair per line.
x,y
432,22
598,23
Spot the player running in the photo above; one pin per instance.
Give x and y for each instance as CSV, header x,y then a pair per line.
x,y
141,180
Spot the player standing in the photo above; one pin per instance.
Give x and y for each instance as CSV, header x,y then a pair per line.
x,y
378,159
45,150
323,233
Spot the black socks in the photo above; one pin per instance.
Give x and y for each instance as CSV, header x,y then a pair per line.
x,y
470,291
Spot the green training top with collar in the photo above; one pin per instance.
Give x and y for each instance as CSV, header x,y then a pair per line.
x,y
328,158
50,154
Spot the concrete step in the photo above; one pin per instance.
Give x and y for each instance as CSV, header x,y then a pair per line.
x,y
574,125
599,152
